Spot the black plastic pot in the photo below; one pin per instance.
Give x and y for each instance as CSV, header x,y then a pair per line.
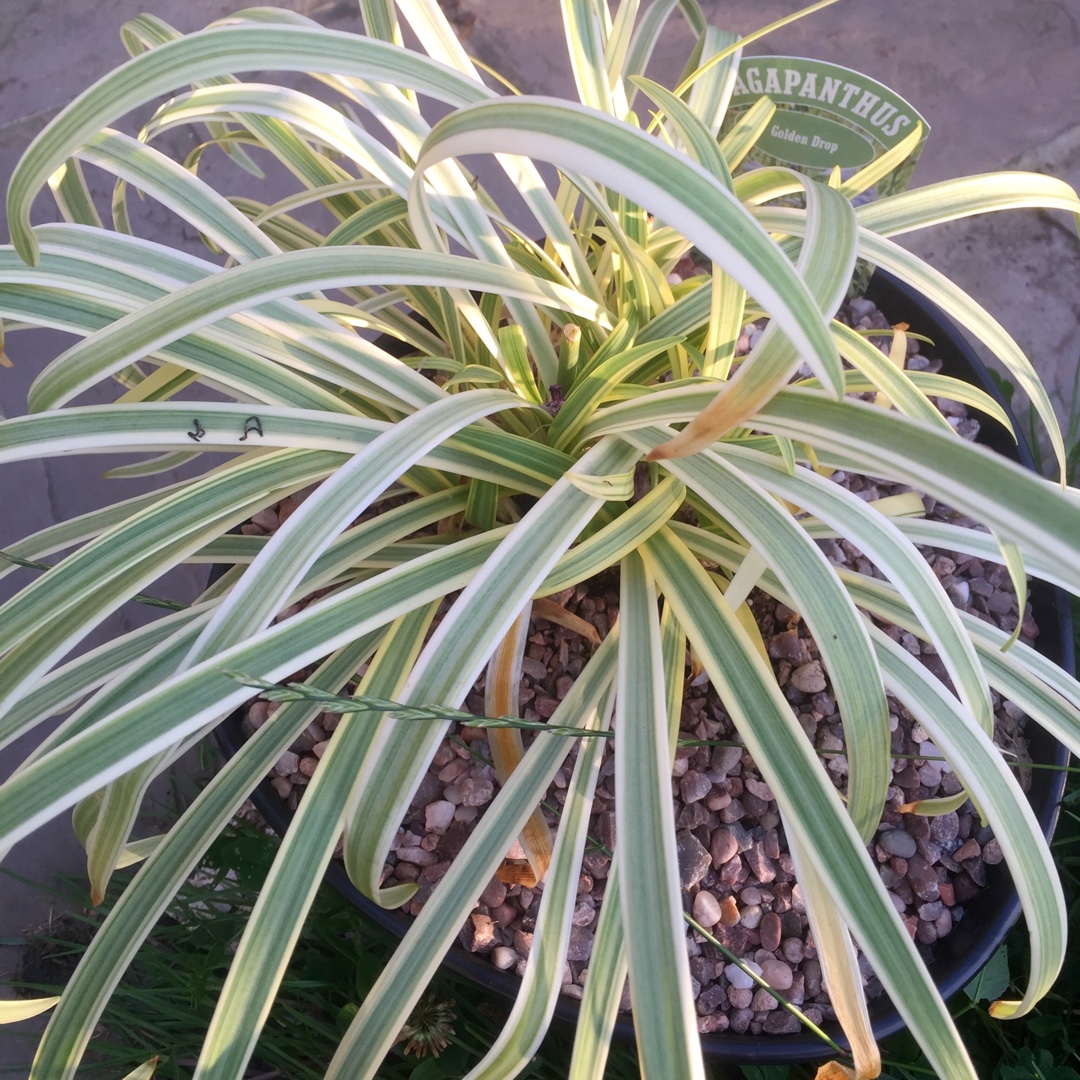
x,y
957,958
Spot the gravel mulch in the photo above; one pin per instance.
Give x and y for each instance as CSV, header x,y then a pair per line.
x,y
735,870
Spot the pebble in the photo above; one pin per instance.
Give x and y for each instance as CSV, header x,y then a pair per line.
x,y
504,958
438,815
694,860
694,786
790,647
770,931
751,916
494,894
969,849
793,950
479,933
739,978
777,974
287,764
580,945
809,678
726,759
707,910
944,827
723,847
729,911
761,866
897,842
476,792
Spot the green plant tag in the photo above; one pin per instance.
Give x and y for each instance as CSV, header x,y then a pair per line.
x,y
826,116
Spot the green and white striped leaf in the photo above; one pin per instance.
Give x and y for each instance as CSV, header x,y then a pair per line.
x,y
952,199
376,1026
677,191
807,800
818,596
1000,797
956,303
542,981
883,543
136,912
213,298
653,930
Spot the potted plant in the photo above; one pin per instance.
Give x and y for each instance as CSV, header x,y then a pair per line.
x,y
534,422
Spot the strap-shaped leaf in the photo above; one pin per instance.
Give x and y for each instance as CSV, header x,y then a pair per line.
x,y
501,685
808,802
171,184
376,1026
136,912
542,982
441,43
1036,515
585,38
184,704
952,199
839,965
994,787
884,544
222,294
938,289
224,495
66,685
1048,694
653,930
818,595
497,456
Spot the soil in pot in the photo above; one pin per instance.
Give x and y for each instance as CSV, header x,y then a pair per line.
x,y
735,870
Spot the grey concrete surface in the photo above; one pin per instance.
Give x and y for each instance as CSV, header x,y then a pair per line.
x,y
999,81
